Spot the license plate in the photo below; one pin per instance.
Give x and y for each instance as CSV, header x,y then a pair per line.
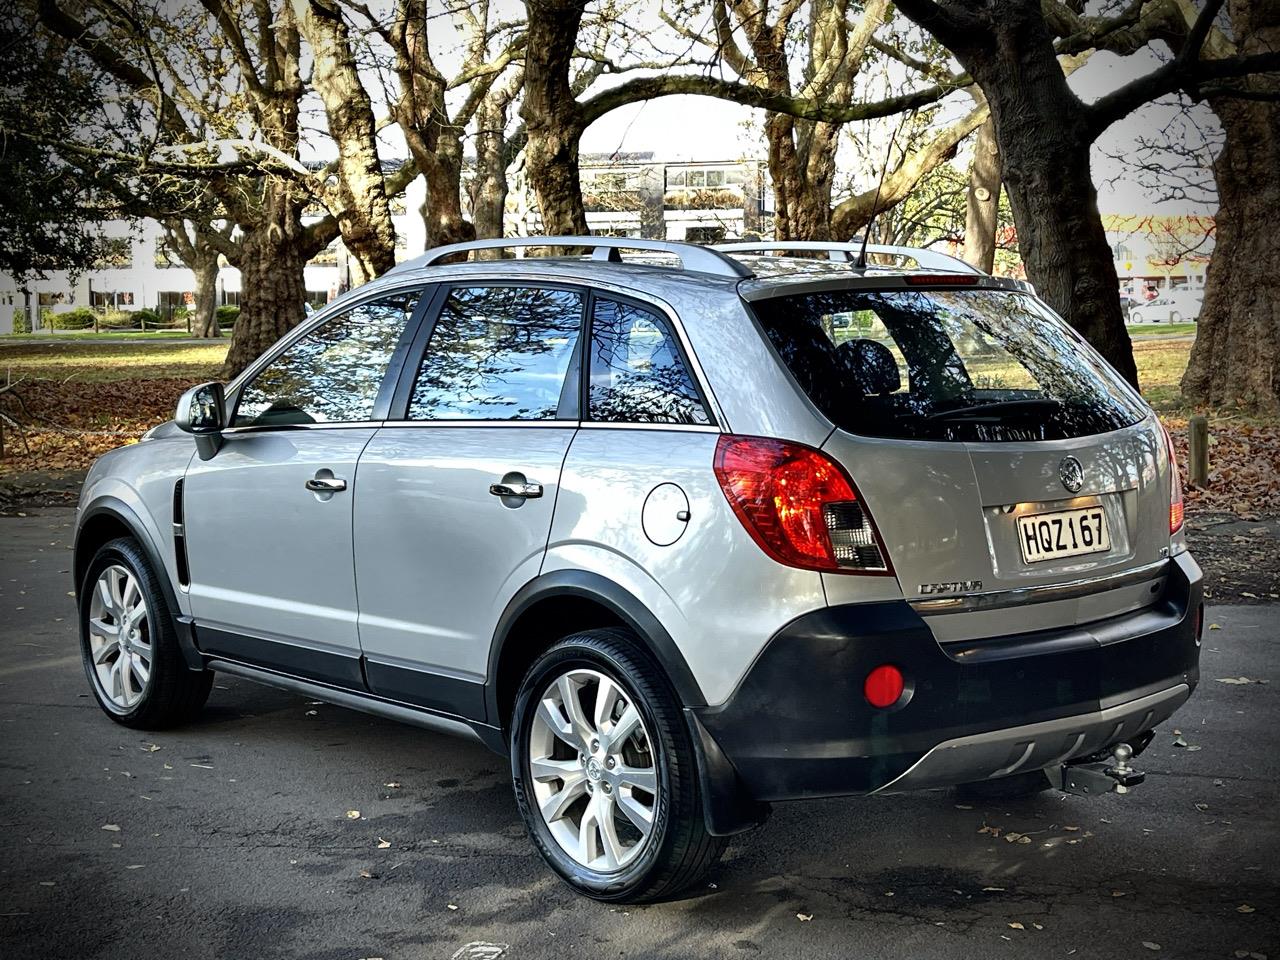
x,y
1068,533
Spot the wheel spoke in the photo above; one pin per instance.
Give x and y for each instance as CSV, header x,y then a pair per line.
x,y
117,683
141,671
129,594
644,778
557,805
607,694
544,768
612,846
589,832
573,709
635,811
138,614
104,593
550,715
625,727
115,575
101,655
100,628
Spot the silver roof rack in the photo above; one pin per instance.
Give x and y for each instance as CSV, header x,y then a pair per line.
x,y
848,252
691,256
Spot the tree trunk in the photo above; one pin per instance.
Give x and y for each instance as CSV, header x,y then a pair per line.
x,y
489,188
1048,179
552,115
204,313
982,205
362,209
442,209
271,258
1236,357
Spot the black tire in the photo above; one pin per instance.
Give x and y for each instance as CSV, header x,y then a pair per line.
x,y
679,851
175,693
1006,788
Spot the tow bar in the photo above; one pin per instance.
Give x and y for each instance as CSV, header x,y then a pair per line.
x,y
1103,772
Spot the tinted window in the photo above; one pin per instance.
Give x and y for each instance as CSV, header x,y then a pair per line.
x,y
498,353
947,364
333,373
637,375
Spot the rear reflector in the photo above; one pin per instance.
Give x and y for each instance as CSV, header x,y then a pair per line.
x,y
942,279
798,505
883,686
1177,507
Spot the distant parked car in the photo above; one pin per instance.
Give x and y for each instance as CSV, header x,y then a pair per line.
x,y
1127,303
1175,307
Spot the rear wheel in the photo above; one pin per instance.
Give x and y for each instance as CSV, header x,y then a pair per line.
x,y
604,771
129,645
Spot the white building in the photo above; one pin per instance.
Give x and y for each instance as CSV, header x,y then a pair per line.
x,y
632,195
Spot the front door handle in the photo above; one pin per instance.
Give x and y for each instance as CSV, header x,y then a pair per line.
x,y
320,484
523,490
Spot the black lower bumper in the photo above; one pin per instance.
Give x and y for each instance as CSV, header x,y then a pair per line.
x,y
799,726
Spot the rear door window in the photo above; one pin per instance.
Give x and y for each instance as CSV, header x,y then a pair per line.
x,y
946,364
500,353
637,374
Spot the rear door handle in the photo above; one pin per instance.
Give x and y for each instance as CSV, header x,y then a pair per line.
x,y
525,491
326,484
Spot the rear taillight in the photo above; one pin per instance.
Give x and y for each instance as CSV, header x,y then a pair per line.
x,y
798,505
1177,510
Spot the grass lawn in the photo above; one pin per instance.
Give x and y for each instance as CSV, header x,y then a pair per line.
x,y
109,357
1162,329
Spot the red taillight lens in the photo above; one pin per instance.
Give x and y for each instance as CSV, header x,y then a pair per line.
x,y
798,505
883,686
1177,509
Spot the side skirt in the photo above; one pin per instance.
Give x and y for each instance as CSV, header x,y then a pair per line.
x,y
402,713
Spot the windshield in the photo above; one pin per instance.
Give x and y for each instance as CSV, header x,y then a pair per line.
x,y
945,364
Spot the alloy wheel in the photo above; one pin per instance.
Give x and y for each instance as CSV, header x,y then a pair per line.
x,y
593,770
120,637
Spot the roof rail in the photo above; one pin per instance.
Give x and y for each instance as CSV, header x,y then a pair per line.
x,y
927,259
691,256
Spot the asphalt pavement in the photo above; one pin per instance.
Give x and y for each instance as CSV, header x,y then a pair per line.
x,y
279,827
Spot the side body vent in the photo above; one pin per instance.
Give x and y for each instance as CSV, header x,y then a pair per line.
x,y
180,537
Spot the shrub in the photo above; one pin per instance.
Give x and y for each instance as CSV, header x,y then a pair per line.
x,y
117,320
81,318
21,320
146,313
180,315
227,315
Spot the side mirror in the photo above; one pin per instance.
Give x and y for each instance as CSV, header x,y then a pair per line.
x,y
202,413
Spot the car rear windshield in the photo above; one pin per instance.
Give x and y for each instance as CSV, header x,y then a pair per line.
x,y
945,364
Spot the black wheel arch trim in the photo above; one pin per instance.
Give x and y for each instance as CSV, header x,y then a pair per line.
x,y
618,600
120,511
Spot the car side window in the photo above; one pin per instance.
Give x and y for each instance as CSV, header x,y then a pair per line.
x,y
498,353
637,374
333,374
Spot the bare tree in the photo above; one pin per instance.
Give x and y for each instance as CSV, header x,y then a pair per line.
x,y
1045,133
197,244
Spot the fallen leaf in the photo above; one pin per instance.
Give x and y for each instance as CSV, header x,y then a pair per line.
x,y
1119,893
1238,681
453,906
393,784
1179,742
1214,626
993,889
353,814
113,827
1245,908
1016,926
383,844
366,874
1150,946
804,917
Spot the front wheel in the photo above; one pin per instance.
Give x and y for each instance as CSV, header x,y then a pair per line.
x,y
604,771
129,646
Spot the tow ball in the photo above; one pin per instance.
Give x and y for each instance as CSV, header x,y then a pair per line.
x,y
1101,773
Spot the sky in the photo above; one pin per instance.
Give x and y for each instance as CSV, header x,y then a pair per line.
x,y
700,128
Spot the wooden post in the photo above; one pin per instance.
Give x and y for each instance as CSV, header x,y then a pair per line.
x,y
1198,451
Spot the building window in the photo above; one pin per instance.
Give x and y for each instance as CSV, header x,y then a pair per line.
x,y
171,300
704,234
676,178
715,178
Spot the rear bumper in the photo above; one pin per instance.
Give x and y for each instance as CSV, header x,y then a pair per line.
x,y
798,724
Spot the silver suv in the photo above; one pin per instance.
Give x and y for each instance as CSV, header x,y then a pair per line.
x,y
683,535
